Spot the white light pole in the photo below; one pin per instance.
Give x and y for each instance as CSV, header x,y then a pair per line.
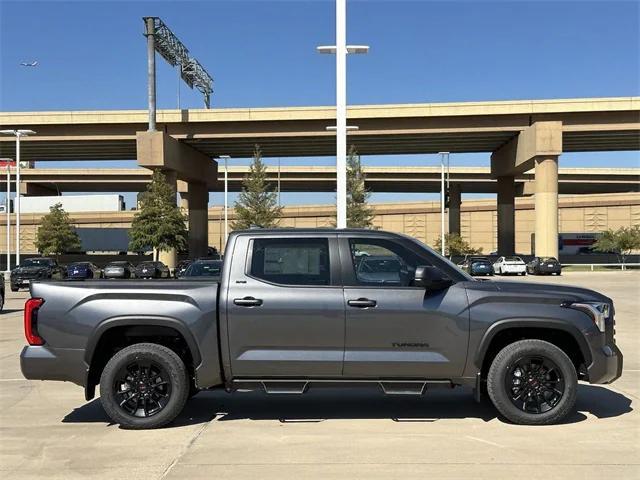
x,y
8,162
443,155
226,203
341,49
18,134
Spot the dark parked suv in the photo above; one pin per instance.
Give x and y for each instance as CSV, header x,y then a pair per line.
x,y
35,269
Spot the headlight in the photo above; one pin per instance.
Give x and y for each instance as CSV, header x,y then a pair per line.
x,y
598,311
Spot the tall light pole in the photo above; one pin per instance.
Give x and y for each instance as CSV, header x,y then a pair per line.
x,y
8,162
226,202
18,134
341,49
444,156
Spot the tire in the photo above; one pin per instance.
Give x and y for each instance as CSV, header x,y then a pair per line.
x,y
170,395
14,289
2,301
504,372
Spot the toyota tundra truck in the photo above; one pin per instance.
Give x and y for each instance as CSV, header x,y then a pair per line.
x,y
301,309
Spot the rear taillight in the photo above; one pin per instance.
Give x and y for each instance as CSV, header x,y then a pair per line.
x,y
31,308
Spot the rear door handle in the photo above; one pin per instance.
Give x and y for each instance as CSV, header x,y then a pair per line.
x,y
247,302
362,303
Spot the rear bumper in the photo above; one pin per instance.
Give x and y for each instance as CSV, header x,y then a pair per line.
x,y
45,363
512,269
549,269
606,364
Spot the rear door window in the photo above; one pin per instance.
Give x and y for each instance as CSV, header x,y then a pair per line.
x,y
289,261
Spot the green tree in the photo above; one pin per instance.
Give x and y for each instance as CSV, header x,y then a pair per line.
x,y
359,213
56,235
455,245
621,242
257,204
158,223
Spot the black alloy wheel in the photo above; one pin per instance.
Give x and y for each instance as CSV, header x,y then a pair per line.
x,y
144,385
142,388
535,384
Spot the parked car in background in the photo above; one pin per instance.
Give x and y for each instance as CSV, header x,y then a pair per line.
x,y
203,268
41,268
152,270
1,291
544,266
119,269
510,266
83,271
181,268
477,265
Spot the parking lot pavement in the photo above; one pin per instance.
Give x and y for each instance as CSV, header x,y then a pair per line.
x,y
48,430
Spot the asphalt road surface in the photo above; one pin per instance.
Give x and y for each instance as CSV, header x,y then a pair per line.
x,y
47,430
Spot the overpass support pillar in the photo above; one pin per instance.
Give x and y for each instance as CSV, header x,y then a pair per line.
x,y
455,198
196,202
169,257
506,216
537,146
546,205
159,150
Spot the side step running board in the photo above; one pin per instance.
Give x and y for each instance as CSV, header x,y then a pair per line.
x,y
290,388
403,388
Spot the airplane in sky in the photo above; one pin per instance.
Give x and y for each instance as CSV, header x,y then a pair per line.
x,y
29,64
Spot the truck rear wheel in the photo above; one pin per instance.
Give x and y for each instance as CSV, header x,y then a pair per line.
x,y
532,382
144,386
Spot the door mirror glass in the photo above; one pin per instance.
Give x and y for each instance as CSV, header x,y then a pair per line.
x,y
431,278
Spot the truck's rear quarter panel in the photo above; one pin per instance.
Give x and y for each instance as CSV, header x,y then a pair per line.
x,y
75,316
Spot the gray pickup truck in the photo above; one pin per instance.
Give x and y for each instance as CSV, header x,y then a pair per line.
x,y
299,309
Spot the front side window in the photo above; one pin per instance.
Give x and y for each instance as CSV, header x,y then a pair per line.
x,y
289,261
379,262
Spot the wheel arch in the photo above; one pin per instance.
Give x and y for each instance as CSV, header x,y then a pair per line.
x,y
562,334
137,326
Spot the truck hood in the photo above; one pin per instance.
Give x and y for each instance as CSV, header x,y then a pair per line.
x,y
540,290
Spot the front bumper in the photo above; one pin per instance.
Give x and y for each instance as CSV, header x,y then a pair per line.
x,y
46,363
606,364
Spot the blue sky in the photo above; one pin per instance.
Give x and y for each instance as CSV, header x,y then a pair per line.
x,y
92,55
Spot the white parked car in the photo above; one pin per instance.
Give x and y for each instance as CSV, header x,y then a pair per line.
x,y
510,265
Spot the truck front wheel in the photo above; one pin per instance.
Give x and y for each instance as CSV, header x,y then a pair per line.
x,y
144,386
532,382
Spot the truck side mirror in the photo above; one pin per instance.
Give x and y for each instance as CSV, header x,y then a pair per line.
x,y
430,278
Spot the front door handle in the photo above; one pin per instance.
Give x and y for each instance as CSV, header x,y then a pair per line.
x,y
362,303
247,302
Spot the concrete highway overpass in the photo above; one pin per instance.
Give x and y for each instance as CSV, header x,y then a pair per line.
x,y
46,181
592,124
522,136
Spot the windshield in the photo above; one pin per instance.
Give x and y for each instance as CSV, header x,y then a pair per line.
x,y
513,259
204,269
36,262
146,265
548,259
479,259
